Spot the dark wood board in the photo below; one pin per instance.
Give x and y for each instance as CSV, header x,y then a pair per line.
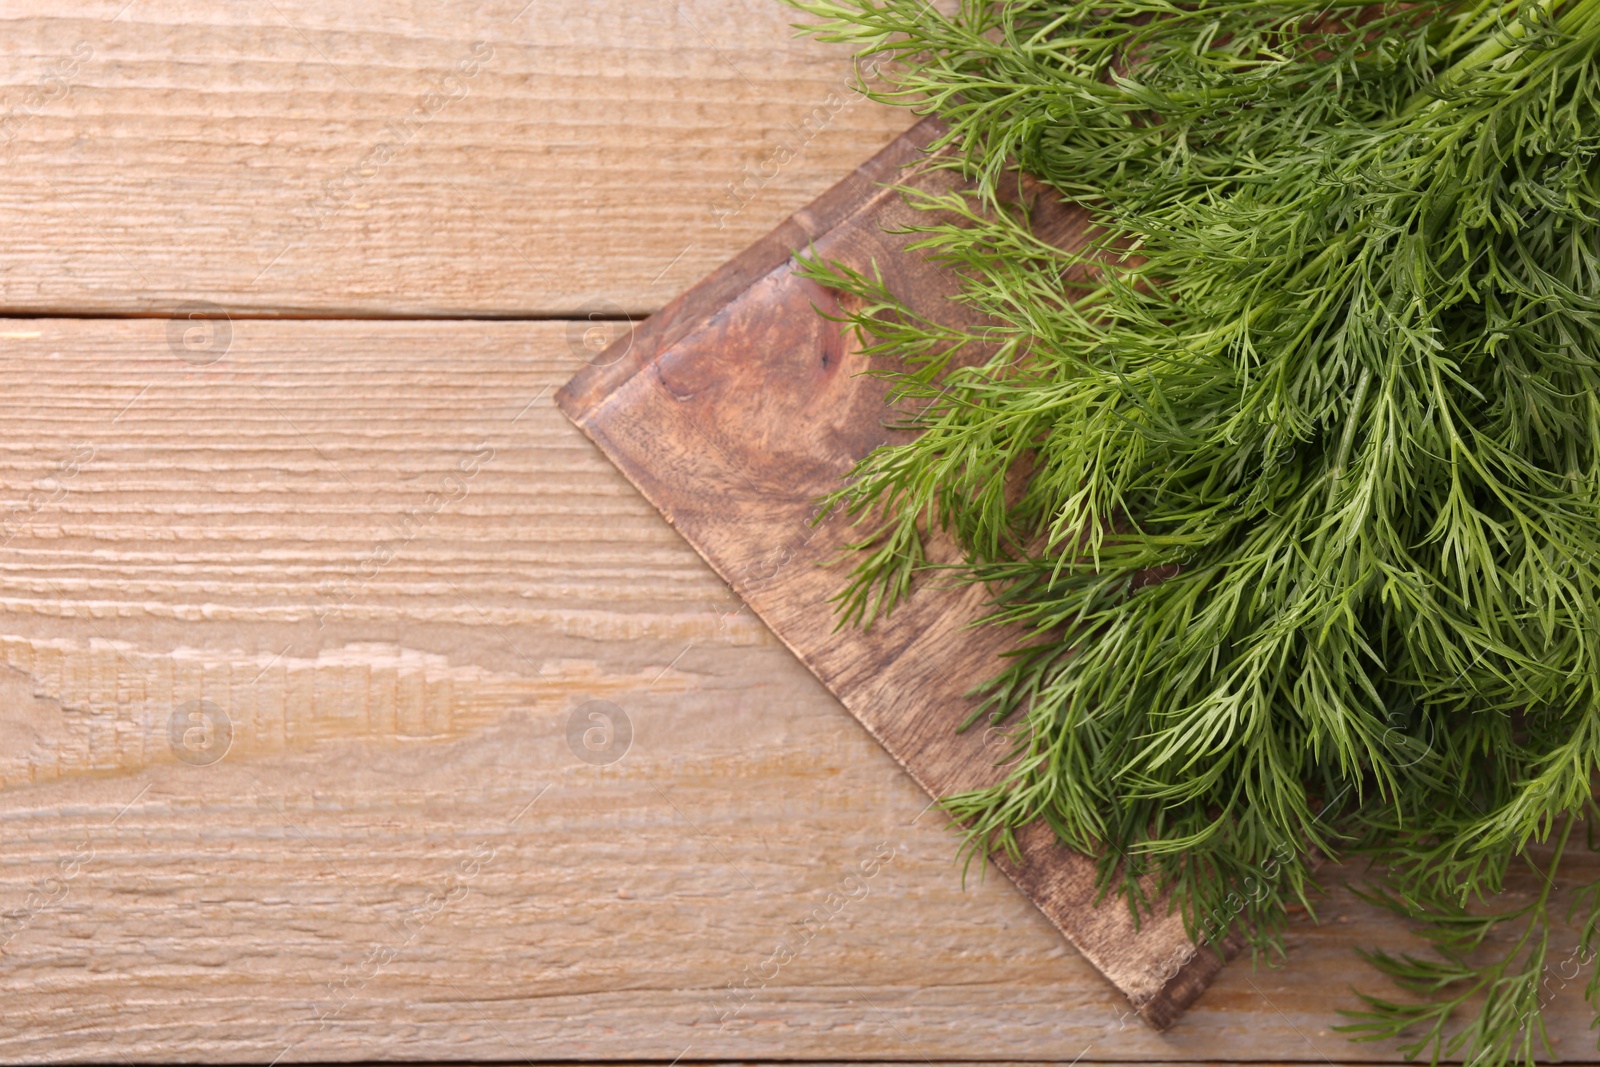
x,y
736,407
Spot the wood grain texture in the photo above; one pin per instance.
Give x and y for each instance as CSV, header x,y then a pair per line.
x,y
738,407
308,896
496,157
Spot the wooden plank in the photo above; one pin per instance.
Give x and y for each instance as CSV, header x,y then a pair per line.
x,y
739,407
305,895
505,158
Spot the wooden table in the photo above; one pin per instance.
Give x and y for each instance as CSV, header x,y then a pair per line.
x,y
354,707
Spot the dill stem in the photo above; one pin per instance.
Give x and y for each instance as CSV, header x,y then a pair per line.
x,y
1346,441
1494,47
1472,25
1555,861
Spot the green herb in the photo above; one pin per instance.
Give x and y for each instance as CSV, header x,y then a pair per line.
x,y
1307,539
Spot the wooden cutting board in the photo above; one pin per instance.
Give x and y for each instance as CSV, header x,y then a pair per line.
x,y
737,406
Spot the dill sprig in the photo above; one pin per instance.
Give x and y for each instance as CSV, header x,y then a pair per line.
x,y
1290,473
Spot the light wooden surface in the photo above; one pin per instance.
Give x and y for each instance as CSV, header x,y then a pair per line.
x,y
233,152
403,855
305,895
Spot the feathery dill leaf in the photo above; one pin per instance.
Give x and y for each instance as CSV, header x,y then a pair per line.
x,y
1329,366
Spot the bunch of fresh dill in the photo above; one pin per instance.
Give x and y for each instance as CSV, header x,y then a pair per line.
x,y
1293,473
